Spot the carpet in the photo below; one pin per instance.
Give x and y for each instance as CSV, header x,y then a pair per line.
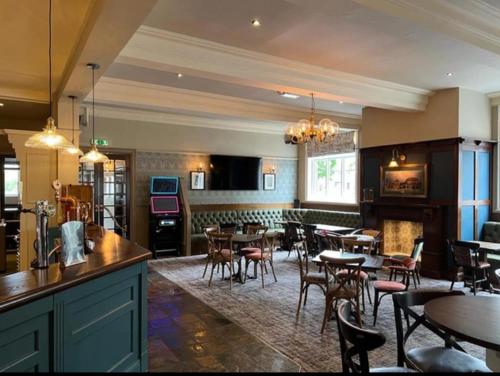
x,y
269,313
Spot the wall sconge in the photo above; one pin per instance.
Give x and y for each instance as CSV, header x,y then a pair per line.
x,y
395,156
271,170
200,167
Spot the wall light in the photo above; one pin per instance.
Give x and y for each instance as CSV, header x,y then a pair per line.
x,y
396,155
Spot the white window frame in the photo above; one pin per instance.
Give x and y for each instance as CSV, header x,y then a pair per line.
x,y
330,156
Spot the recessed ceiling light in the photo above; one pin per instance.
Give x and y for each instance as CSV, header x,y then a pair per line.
x,y
255,22
341,102
1,104
284,94
180,75
449,74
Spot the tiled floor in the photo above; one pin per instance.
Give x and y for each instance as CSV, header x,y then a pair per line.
x,y
186,335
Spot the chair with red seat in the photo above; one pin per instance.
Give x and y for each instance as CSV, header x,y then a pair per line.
x,y
261,255
406,267
386,288
222,254
253,229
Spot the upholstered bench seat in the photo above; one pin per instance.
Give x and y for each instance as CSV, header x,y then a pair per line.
x,y
268,217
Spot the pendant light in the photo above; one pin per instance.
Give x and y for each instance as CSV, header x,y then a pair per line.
x,y
93,155
49,138
73,149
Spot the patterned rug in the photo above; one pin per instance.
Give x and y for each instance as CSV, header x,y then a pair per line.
x,y
269,313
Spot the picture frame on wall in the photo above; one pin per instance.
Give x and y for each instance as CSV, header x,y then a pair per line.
x,y
197,180
269,182
404,181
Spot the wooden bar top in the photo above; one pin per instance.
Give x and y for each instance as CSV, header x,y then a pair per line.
x,y
111,253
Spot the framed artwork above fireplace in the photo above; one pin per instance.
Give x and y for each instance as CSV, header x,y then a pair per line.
x,y
404,181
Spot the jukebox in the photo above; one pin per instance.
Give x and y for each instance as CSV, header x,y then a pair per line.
x,y
165,216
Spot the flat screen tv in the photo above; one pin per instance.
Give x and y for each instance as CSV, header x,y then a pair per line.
x,y
234,173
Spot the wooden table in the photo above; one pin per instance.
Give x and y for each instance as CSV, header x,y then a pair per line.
x,y
488,246
474,319
331,228
372,263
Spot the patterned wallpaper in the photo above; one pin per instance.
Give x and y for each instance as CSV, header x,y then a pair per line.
x,y
399,236
150,164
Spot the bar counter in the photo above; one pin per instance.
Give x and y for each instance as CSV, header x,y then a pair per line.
x,y
86,317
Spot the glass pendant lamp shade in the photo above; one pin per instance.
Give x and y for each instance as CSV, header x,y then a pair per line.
x,y
49,138
94,156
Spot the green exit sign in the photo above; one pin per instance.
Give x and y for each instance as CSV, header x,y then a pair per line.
x,y
100,142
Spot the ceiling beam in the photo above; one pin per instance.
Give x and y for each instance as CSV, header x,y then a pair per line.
x,y
109,26
138,95
163,50
473,21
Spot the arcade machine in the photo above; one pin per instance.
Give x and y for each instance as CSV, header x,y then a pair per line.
x,y
165,216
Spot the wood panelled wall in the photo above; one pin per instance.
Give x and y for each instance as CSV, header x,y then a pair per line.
x,y
450,170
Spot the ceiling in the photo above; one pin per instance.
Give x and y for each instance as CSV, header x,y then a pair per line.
x,y
341,35
24,40
401,46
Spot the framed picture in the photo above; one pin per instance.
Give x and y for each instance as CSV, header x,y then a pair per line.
x,y
404,181
197,180
269,182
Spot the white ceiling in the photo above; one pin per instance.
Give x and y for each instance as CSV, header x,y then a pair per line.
x,y
24,40
336,34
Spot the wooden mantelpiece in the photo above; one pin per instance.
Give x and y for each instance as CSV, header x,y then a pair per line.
x,y
431,216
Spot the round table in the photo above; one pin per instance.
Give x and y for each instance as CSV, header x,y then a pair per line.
x,y
475,319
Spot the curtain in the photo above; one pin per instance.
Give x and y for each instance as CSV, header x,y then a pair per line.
x,y
344,142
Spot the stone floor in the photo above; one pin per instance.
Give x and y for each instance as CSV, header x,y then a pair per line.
x,y
186,335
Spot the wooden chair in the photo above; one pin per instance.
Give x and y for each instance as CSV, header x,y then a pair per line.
x,y
260,256
292,236
353,245
386,288
418,246
228,228
466,256
223,255
308,278
377,235
210,247
310,238
253,229
342,288
362,341
252,225
448,358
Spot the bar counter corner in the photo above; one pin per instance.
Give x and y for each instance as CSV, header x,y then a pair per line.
x,y
89,317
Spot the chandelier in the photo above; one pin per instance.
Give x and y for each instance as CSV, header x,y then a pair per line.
x,y
306,131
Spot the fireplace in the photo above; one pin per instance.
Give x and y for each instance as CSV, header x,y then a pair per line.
x,y
402,222
399,236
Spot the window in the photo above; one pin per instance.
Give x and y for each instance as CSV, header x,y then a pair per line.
x,y
332,178
11,177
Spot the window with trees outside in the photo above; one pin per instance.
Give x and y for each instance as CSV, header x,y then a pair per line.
x,y
332,178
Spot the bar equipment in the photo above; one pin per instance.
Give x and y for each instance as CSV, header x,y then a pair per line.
x,y
42,211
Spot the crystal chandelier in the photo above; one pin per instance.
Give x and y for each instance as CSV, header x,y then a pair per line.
x,y
93,155
306,131
49,137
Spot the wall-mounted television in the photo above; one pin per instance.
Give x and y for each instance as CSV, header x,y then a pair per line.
x,y
234,173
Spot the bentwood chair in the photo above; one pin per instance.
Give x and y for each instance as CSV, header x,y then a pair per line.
x,y
450,358
228,228
262,255
378,237
223,255
475,271
418,246
362,341
210,247
311,238
292,236
253,229
308,278
342,288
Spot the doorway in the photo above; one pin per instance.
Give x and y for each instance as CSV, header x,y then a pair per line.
x,y
111,182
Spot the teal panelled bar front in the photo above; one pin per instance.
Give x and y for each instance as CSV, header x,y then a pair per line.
x,y
91,317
